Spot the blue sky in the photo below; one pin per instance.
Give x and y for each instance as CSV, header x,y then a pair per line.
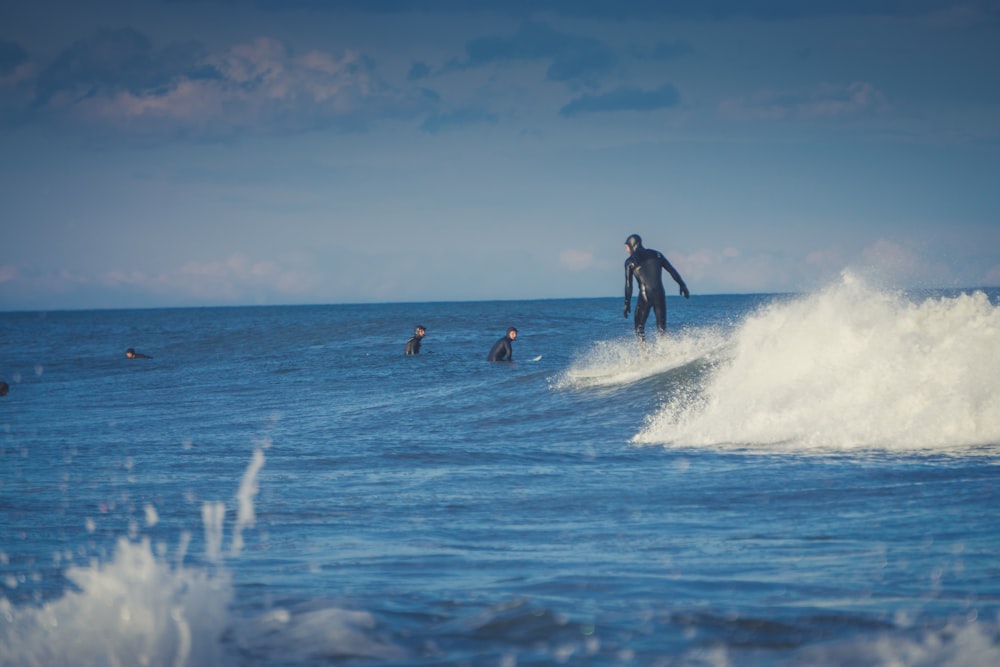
x,y
186,152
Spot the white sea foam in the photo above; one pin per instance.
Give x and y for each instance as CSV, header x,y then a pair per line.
x,y
850,367
144,608
621,362
959,643
133,610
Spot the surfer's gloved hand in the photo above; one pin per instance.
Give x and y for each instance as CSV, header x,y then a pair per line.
x,y
684,291
628,309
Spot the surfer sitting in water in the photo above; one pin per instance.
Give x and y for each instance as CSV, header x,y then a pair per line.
x,y
413,345
645,265
132,354
502,350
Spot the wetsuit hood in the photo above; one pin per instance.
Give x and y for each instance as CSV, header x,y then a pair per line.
x,y
634,242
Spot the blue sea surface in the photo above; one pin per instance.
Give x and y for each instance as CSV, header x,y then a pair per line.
x,y
781,480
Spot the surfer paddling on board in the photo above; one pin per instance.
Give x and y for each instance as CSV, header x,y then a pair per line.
x,y
132,354
413,345
645,264
502,350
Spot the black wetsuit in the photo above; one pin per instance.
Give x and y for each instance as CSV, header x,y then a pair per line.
x,y
645,264
413,345
501,350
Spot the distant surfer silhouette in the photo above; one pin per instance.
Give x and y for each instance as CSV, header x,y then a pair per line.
x,y
4,388
645,265
132,354
413,345
502,349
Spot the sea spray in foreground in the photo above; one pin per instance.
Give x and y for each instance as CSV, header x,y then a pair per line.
x,y
850,368
133,610
245,517
137,609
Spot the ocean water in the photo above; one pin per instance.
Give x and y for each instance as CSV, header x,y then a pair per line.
x,y
782,480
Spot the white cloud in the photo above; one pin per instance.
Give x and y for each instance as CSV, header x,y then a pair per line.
x,y
707,269
188,101
576,260
260,84
7,273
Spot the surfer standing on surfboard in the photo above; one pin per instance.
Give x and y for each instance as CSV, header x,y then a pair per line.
x,y
645,265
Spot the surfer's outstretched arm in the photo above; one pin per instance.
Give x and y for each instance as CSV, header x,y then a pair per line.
x,y
665,263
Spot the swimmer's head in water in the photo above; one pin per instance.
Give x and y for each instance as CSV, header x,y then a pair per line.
x,y
130,353
634,242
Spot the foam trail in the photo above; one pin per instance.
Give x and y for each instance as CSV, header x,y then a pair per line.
x,y
624,361
849,368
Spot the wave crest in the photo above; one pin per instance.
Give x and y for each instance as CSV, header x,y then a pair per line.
x,y
850,367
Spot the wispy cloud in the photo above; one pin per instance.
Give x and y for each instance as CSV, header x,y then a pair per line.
x,y
894,263
738,270
12,56
825,101
664,51
576,260
234,279
17,73
118,79
418,71
463,117
114,60
573,59
708,10
624,99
